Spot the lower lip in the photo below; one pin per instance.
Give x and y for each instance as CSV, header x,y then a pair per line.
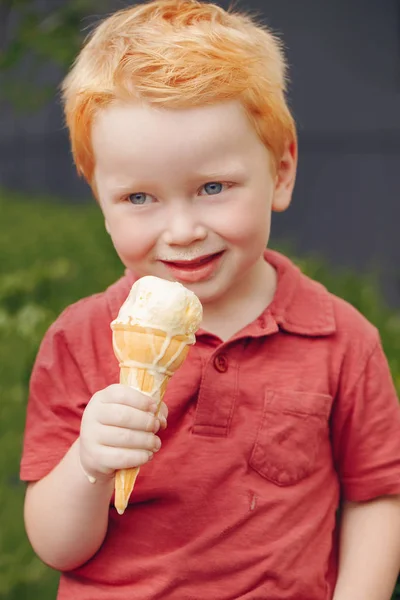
x,y
195,272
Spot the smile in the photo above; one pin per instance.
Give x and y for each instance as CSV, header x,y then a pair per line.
x,y
195,270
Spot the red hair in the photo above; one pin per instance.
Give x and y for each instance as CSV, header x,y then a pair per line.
x,y
178,54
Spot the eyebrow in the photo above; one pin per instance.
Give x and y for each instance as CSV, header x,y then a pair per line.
x,y
221,173
113,187
227,171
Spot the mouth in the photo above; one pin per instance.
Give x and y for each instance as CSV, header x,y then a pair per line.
x,y
194,270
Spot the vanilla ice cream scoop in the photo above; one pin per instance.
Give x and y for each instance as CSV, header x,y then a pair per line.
x,y
159,304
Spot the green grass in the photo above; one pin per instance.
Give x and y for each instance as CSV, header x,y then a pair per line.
x,y
52,255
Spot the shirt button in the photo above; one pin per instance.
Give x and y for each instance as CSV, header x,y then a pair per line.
x,y
221,363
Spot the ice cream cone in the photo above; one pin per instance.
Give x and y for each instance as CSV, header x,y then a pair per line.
x,y
151,340
147,358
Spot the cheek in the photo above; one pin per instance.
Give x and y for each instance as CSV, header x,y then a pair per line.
x,y
130,239
244,225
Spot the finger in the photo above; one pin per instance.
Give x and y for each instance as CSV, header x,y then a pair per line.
x,y
123,458
163,412
163,415
124,394
118,437
119,415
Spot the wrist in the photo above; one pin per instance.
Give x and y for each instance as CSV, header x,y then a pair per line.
x,y
93,476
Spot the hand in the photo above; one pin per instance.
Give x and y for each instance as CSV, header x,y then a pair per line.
x,y
118,431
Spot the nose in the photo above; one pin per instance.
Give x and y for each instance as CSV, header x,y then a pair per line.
x,y
183,227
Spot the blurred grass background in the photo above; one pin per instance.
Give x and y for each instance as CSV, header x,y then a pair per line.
x,y
52,255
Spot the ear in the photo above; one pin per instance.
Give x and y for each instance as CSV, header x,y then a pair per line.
x,y
285,178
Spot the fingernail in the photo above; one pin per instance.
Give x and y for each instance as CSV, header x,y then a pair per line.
x,y
151,456
157,444
153,408
157,425
164,423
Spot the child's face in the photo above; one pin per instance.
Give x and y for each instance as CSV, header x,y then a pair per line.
x,y
187,194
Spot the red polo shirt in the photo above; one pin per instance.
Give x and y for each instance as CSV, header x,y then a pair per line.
x,y
267,432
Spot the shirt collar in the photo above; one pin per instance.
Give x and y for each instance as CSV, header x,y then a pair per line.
x,y
300,305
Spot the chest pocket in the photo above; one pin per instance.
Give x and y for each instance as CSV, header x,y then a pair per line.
x,y
292,430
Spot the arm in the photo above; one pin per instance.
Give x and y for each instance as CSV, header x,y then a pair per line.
x,y
66,516
369,553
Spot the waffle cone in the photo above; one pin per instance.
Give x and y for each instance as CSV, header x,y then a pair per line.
x,y
147,359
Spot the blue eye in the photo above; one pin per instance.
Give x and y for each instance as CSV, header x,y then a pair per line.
x,y
138,198
212,188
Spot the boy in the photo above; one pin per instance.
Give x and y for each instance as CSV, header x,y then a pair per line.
x,y
279,476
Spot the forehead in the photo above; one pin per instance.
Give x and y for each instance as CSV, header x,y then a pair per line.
x,y
139,136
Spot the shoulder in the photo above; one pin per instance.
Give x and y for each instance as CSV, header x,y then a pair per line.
x,y
88,320
352,341
80,340
356,339
350,327
350,322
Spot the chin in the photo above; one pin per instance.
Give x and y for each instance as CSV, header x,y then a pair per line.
x,y
208,292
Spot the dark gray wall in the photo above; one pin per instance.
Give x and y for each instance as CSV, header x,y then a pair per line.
x,y
345,94
345,90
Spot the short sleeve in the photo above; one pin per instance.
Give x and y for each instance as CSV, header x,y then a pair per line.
x,y
366,432
57,398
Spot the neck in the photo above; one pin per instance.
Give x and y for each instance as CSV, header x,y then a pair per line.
x,y
243,303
